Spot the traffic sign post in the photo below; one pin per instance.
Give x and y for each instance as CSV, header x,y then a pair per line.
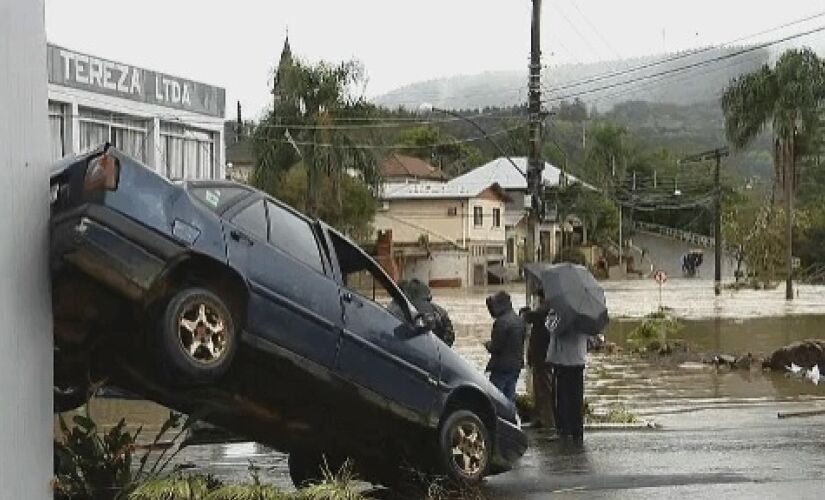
x,y
660,277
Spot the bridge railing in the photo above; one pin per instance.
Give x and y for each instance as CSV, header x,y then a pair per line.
x,y
677,234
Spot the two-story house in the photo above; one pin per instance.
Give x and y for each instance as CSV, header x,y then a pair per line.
x,y
445,234
513,181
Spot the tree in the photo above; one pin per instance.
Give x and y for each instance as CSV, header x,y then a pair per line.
x,y
442,150
314,104
357,202
789,98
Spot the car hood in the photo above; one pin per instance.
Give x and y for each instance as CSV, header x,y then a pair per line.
x,y
457,371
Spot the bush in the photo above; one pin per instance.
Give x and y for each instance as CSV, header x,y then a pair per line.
x,y
654,331
93,464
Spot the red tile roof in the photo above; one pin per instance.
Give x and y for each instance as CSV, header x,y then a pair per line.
x,y
401,166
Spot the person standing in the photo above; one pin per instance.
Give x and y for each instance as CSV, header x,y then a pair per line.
x,y
506,344
567,353
541,371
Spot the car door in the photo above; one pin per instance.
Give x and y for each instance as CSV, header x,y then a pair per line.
x,y
294,303
380,349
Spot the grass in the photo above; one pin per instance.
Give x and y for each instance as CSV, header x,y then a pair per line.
x,y
341,485
653,333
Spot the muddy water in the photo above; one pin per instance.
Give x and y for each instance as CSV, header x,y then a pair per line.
x,y
740,322
734,323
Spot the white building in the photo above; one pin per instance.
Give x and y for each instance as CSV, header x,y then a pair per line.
x,y
170,123
513,182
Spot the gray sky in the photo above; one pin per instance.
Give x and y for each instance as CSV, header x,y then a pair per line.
x,y
235,44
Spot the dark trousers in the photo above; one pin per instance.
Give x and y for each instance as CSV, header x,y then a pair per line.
x,y
569,389
543,396
505,382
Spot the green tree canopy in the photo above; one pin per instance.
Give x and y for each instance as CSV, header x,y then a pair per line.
x,y
789,98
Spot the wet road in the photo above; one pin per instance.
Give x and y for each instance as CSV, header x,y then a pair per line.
x,y
736,452
719,432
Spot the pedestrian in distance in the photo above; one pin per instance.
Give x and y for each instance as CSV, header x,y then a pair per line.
x,y
436,316
567,353
541,371
506,344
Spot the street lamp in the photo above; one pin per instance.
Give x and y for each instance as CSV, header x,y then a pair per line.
x,y
429,108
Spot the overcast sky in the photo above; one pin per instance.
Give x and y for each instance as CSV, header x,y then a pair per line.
x,y
235,44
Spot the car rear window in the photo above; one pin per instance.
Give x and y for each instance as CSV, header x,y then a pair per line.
x,y
218,198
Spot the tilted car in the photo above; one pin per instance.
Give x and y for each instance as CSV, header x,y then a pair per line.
x,y
221,302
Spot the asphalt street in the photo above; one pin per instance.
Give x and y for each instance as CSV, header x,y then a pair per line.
x,y
741,452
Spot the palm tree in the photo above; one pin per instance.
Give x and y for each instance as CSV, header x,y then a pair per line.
x,y
789,98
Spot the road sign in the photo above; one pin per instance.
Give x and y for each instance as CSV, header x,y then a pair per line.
x,y
660,277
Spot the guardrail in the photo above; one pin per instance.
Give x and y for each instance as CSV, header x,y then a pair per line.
x,y
677,234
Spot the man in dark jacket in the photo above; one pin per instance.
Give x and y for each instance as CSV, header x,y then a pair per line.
x,y
506,344
422,298
541,371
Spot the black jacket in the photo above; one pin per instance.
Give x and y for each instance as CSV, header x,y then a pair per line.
x,y
506,345
539,335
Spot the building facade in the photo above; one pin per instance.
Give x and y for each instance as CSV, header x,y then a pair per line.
x,y
442,235
174,125
512,179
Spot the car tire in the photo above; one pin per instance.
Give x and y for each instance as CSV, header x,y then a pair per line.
x,y
197,338
307,468
464,447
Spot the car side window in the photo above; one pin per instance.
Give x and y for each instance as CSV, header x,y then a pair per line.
x,y
253,220
363,277
294,236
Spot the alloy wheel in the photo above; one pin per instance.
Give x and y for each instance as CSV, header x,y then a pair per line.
x,y
469,449
202,332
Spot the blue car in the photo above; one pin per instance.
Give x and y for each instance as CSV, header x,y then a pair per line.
x,y
219,301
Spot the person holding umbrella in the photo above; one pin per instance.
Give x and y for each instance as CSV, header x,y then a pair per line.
x,y
576,311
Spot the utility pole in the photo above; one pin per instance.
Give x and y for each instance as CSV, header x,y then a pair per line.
x,y
534,163
717,155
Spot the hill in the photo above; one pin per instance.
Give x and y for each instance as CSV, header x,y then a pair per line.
x,y
683,78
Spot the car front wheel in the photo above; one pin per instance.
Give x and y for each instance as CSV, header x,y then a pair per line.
x,y
197,337
465,447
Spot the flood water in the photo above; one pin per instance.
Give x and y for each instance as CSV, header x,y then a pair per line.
x,y
734,323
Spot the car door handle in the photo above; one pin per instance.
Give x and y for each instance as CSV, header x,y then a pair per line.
x,y
239,236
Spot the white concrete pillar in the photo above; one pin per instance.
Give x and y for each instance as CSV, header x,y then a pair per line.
x,y
74,128
26,363
153,154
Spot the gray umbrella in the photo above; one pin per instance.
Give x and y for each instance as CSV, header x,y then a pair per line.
x,y
575,295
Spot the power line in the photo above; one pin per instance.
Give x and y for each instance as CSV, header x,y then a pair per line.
x,y
576,29
677,57
396,146
686,67
595,30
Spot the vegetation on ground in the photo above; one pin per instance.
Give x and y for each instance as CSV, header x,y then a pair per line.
x,y
655,333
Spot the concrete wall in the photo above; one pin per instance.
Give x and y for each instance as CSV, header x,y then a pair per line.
x,y
25,309
445,265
